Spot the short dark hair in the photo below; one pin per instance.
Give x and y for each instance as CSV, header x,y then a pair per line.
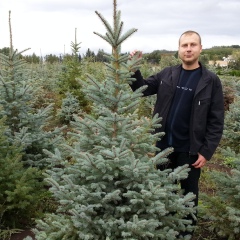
x,y
190,32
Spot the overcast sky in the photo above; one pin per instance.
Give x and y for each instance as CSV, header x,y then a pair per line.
x,y
48,26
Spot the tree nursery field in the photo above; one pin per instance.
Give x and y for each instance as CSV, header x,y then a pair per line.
x,y
78,158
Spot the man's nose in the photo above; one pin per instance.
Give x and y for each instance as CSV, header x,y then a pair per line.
x,y
189,48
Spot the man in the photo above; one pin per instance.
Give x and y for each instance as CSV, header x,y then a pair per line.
x,y
190,102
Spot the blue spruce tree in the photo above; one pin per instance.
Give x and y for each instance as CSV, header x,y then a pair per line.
x,y
222,209
105,181
27,124
70,106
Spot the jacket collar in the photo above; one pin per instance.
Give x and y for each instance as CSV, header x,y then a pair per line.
x,y
204,80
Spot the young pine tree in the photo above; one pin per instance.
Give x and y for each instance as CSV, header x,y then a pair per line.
x,y
223,209
20,188
73,69
26,123
109,188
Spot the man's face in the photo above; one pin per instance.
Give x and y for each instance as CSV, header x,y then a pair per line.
x,y
189,48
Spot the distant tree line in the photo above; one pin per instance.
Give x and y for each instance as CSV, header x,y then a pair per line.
x,y
214,53
53,58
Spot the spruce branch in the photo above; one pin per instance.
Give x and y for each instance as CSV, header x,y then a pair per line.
x,y
106,24
126,35
112,40
118,31
104,38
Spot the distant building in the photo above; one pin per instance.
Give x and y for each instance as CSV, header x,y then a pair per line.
x,y
218,63
222,63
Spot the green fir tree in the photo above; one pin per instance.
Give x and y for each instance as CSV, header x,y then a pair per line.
x,y
20,187
107,186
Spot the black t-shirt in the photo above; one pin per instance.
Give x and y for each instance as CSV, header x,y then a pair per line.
x,y
178,120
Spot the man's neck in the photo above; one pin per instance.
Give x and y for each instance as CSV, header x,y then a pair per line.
x,y
190,66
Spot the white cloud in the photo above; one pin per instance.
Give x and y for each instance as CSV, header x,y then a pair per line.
x,y
48,26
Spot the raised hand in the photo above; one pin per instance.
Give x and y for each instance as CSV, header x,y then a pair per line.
x,y
134,60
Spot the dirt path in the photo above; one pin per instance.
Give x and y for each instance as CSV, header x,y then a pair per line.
x,y
22,235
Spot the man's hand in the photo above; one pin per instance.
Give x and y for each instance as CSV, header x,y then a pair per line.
x,y
134,60
201,161
135,54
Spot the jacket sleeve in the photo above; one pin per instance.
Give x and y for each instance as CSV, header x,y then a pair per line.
x,y
152,82
215,122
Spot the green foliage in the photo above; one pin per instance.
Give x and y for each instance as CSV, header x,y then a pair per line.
x,y
167,61
52,58
231,90
204,59
90,54
20,188
223,209
229,161
230,157
71,70
156,56
32,58
153,57
6,234
97,69
5,51
100,57
235,73
70,106
217,53
231,136
26,124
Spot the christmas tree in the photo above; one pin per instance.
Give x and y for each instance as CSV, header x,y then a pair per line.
x,y
105,181
27,124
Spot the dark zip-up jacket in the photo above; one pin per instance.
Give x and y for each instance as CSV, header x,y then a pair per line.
x,y
207,115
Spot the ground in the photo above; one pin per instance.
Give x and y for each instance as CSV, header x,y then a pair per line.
x,y
22,235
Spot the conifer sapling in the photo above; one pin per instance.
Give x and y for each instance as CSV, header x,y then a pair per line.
x,y
109,187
